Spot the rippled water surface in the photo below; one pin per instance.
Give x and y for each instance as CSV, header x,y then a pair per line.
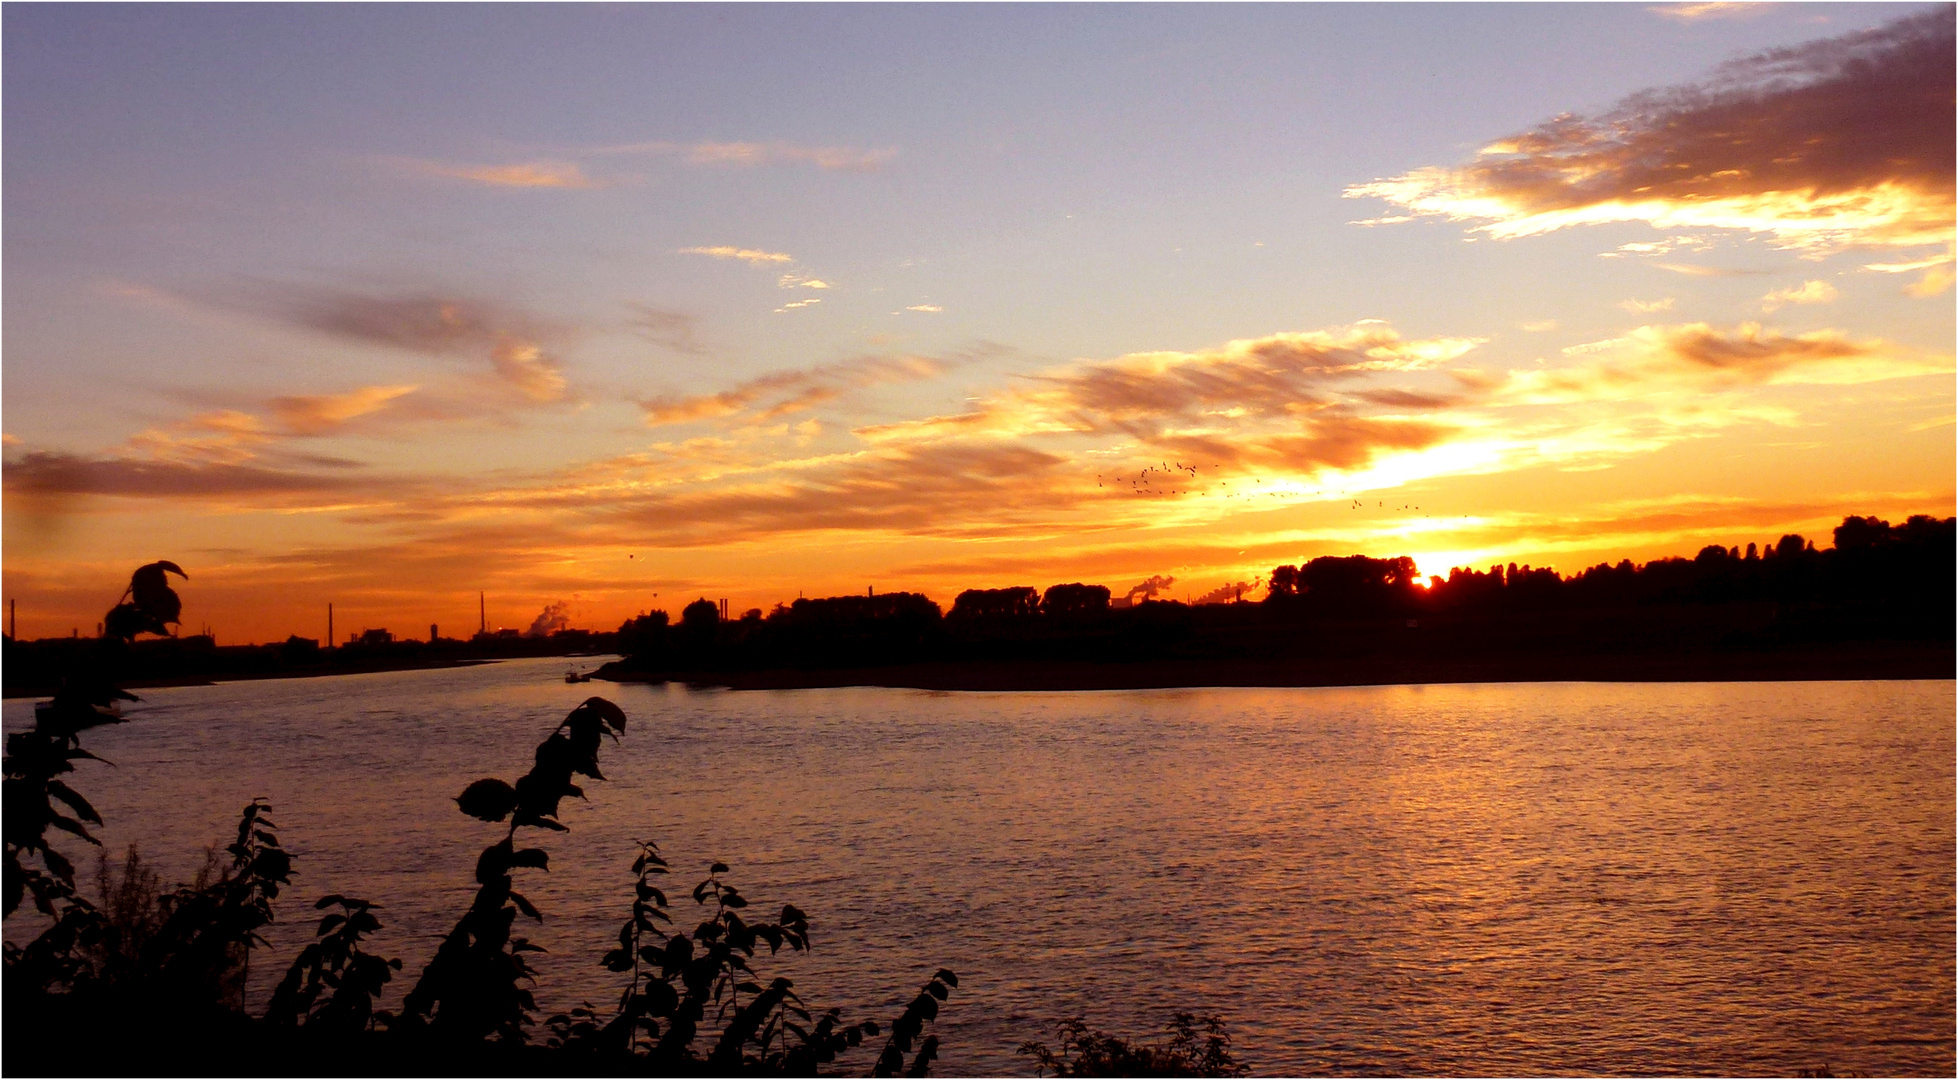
x,y
1524,878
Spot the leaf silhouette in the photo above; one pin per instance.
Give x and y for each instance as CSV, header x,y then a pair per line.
x,y
488,799
150,589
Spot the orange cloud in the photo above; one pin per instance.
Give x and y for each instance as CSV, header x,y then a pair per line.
x,y
1282,378
1711,9
529,174
1808,292
1696,358
1845,141
511,341
1937,273
753,256
524,365
52,473
1249,441
791,391
1644,307
227,436
318,414
739,154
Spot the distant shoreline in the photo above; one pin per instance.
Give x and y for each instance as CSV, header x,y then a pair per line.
x,y
1848,662
14,693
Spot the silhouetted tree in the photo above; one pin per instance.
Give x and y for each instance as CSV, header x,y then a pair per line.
x,y
1075,600
1284,582
702,613
1020,601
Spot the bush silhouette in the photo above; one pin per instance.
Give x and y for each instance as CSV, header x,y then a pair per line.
x,y
1196,1046
169,968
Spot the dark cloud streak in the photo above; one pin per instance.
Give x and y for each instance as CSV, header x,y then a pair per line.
x,y
1838,141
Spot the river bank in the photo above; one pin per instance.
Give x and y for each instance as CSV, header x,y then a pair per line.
x,y
1853,661
35,668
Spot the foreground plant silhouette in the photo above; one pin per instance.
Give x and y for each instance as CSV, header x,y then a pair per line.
x,y
1197,1046
168,971
38,758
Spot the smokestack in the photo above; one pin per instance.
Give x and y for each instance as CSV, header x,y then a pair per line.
x,y
431,633
329,626
13,631
482,615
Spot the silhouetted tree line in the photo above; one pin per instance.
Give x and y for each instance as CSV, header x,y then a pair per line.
x,y
1878,581
37,667
140,980
1873,565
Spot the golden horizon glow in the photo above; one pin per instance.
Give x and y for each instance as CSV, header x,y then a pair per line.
x,y
554,346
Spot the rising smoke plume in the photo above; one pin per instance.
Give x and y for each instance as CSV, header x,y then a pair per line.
x,y
555,616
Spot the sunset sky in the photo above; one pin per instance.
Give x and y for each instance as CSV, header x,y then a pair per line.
x,y
621,306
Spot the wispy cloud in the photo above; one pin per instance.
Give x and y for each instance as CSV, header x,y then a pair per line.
x,y
318,414
1045,467
741,154
1937,273
670,329
1643,307
1711,9
1691,270
1907,267
63,474
227,437
927,308
524,365
752,256
1845,141
1935,280
1808,292
1658,247
1290,403
1249,424
509,341
526,174
236,436
780,393
1695,358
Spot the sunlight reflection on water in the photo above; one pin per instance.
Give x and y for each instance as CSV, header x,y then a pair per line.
x,y
1522,878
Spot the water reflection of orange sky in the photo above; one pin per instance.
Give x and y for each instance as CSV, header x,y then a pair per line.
x,y
1524,879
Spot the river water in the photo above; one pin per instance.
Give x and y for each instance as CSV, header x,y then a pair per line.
x,y
1736,878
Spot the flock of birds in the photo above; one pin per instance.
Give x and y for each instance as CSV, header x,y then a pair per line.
x,y
1143,483
1146,483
